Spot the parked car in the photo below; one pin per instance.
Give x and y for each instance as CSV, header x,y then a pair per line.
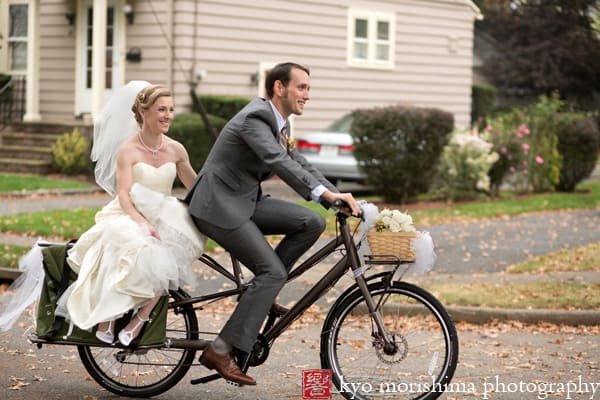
x,y
331,151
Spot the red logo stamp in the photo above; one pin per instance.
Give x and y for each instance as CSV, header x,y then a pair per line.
x,y
316,384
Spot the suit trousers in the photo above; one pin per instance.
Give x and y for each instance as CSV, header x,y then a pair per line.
x,y
301,227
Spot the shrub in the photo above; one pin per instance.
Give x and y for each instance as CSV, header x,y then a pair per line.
x,y
223,106
70,153
464,166
189,130
399,147
578,144
483,100
526,141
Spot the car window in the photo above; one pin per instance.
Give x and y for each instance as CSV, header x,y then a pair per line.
x,y
341,124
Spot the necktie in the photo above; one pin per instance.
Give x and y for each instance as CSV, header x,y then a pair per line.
x,y
283,138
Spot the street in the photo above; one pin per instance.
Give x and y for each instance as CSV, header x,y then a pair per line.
x,y
497,361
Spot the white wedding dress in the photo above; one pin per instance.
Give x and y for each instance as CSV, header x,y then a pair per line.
x,y
120,265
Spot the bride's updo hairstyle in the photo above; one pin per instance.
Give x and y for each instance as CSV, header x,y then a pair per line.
x,y
146,97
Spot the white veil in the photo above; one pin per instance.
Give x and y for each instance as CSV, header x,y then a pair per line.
x,y
115,124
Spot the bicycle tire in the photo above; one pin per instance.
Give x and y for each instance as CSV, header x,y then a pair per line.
x,y
149,372
423,333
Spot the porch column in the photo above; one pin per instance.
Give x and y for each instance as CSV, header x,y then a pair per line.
x,y
32,88
98,56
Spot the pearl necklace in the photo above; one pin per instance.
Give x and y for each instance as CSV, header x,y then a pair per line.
x,y
152,151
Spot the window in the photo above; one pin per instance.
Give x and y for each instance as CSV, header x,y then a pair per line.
x,y
17,37
371,39
110,25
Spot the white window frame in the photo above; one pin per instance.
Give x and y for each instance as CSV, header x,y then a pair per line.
x,y
15,39
372,18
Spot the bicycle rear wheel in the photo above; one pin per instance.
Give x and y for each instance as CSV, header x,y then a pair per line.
x,y
419,365
145,372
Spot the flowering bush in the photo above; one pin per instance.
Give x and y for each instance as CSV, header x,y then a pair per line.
x,y
526,141
393,221
464,166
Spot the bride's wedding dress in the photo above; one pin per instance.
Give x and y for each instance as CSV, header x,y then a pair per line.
x,y
120,265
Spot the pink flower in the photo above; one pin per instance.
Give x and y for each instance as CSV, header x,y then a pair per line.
x,y
524,129
510,157
525,147
512,169
503,150
525,162
539,160
519,135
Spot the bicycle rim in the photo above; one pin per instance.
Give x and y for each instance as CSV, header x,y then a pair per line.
x,y
145,372
419,366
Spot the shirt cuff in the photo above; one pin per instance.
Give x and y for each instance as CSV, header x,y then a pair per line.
x,y
316,193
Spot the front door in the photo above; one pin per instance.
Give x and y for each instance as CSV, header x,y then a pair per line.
x,y
113,69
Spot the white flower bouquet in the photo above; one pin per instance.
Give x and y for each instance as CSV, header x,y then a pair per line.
x,y
393,221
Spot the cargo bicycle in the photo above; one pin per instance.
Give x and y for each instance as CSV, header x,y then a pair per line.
x,y
382,337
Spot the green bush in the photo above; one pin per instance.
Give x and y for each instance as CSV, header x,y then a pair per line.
x,y
70,153
189,130
399,147
223,106
526,140
483,100
578,144
464,167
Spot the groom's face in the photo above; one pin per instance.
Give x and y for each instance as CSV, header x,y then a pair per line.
x,y
296,93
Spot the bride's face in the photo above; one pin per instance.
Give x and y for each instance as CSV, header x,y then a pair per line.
x,y
158,117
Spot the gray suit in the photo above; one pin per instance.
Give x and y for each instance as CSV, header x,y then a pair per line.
x,y
227,204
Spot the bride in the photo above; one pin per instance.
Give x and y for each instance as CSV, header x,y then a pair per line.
x,y
143,242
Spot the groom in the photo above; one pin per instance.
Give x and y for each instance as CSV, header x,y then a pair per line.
x,y
227,204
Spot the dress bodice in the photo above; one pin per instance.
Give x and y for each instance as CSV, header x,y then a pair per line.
x,y
159,179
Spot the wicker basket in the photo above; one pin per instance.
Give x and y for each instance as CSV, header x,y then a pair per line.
x,y
392,243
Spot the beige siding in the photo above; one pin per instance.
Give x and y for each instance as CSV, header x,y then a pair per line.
x,y
233,37
230,38
57,62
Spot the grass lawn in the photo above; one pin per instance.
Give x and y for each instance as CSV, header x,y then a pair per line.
x,y
9,255
22,182
533,295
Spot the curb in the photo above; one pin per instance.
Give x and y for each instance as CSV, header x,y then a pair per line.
x,y
483,315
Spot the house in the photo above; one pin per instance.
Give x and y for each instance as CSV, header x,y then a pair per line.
x,y
362,53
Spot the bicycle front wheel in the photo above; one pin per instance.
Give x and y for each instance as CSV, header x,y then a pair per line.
x,y
418,364
145,372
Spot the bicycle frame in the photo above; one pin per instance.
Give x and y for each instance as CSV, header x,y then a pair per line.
x,y
350,260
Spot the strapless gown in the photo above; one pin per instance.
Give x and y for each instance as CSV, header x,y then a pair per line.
x,y
120,265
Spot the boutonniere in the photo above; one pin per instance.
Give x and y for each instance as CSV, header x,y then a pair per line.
x,y
291,143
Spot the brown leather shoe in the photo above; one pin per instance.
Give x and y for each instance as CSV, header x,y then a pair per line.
x,y
279,309
226,366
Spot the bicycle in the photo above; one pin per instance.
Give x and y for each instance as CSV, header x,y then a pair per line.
x,y
381,337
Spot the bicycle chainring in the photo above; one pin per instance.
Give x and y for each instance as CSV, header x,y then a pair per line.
x,y
397,354
260,351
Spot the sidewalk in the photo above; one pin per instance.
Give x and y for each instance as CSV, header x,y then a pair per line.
x,y
467,252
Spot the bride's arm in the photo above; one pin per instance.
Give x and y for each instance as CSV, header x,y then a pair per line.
x,y
185,171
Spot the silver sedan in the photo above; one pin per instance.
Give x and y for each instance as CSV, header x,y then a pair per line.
x,y
331,151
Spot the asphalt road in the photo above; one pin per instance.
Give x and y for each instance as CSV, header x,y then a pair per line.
x,y
500,361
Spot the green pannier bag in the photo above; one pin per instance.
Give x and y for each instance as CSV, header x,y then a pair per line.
x,y
58,276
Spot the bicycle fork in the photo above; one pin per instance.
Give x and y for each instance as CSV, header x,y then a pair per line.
x,y
354,260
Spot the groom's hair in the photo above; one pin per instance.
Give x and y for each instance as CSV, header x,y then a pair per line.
x,y
281,72
146,97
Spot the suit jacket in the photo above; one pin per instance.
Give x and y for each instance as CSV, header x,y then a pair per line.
x,y
247,152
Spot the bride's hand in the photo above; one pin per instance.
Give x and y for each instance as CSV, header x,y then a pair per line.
x,y
150,229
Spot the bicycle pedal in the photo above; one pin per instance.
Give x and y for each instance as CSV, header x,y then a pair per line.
x,y
232,383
